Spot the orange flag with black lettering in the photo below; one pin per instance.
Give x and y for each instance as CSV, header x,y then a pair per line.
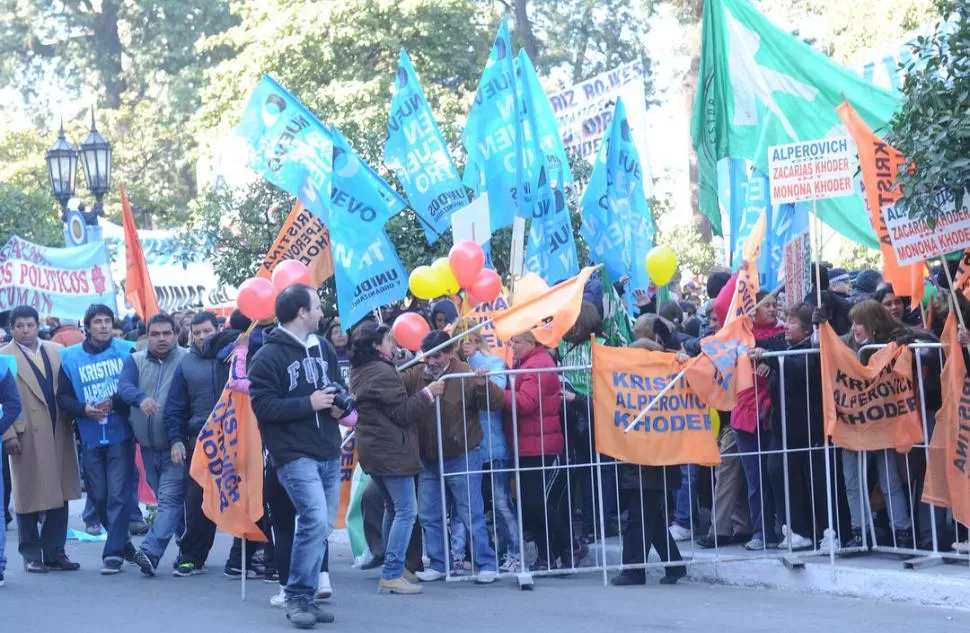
x,y
139,290
880,164
547,312
677,430
723,368
868,407
305,238
348,462
947,482
228,464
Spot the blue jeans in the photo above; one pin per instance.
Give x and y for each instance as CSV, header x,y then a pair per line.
x,y
466,491
400,512
168,481
3,534
686,497
90,515
761,504
109,477
314,489
506,521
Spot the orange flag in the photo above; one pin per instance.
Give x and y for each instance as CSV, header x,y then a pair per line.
x,y
348,462
723,368
961,280
747,286
547,312
880,165
677,430
868,407
228,464
947,479
139,290
305,238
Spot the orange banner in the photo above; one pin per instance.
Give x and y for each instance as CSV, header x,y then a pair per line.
x,y
880,165
947,478
305,238
228,464
869,407
348,462
723,368
139,290
677,430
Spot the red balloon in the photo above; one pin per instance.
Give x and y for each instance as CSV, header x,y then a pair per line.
x,y
257,299
466,259
409,330
487,286
289,272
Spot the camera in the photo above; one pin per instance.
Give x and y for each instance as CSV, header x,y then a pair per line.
x,y
342,399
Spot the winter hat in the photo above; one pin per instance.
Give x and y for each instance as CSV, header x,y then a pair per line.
x,y
838,274
867,281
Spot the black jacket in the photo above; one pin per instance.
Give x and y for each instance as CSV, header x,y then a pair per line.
x,y
282,375
803,397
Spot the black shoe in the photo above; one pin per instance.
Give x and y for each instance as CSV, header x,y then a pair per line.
x,y
629,578
855,540
35,567
63,563
111,567
323,617
904,539
138,528
672,575
130,552
271,575
299,614
710,542
739,539
233,571
374,563
145,564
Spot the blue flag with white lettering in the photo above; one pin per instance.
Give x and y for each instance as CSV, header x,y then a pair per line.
x,y
362,201
291,148
541,134
416,152
369,275
617,222
750,196
551,252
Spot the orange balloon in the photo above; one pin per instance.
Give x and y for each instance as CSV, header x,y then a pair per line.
x,y
486,287
289,272
409,330
257,299
466,259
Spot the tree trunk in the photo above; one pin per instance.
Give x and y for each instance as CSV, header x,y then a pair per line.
x,y
583,44
107,46
524,29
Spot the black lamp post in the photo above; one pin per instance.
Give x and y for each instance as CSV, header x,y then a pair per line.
x,y
62,170
62,163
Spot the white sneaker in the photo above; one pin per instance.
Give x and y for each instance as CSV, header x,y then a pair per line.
x,y
829,542
798,542
962,547
679,533
279,600
429,575
510,565
324,590
486,577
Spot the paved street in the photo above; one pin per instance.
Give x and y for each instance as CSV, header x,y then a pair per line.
x,y
85,601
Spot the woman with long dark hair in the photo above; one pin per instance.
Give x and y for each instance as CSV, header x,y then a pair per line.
x,y
387,442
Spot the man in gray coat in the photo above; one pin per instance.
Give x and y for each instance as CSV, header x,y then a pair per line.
x,y
144,384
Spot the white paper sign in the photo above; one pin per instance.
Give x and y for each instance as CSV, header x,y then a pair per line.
x,y
914,241
472,222
811,170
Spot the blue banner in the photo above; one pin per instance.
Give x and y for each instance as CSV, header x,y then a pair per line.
x,y
57,282
750,195
369,274
551,252
416,152
617,222
296,152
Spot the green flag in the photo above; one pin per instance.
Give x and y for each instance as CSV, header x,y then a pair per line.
x,y
759,86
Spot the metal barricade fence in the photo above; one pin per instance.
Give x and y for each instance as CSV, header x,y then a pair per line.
x,y
557,507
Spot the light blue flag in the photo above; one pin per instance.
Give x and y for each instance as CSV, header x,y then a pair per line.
x,y
541,129
291,148
362,201
495,149
750,196
551,252
369,274
617,222
8,365
416,152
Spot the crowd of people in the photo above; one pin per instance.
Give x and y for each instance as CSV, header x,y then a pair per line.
x,y
453,462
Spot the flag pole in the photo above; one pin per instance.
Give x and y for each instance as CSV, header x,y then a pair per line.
x,y
454,339
243,584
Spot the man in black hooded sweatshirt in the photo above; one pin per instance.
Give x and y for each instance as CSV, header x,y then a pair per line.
x,y
293,380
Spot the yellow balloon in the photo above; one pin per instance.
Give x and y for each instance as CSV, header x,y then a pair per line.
x,y
715,421
445,278
424,284
661,264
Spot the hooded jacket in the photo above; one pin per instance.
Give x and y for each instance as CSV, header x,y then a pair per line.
x,y
282,375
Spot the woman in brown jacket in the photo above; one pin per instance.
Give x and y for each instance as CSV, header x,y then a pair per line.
x,y
387,442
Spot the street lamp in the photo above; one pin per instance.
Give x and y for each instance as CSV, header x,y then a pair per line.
x,y
96,154
62,170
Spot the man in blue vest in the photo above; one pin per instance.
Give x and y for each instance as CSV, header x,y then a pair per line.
x,y
88,393
9,411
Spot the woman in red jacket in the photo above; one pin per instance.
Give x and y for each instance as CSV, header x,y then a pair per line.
x,y
533,402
